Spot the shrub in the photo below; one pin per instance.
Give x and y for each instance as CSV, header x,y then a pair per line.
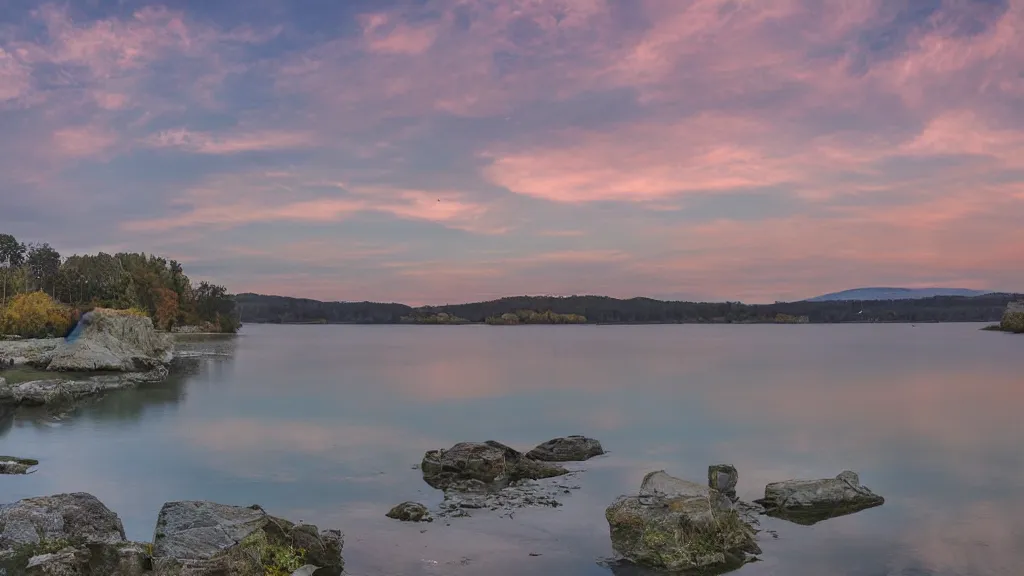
x,y
36,315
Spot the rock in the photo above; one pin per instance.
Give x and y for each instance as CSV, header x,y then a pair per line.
x,y
568,449
13,465
44,392
209,539
61,534
113,340
677,525
723,477
1013,318
476,467
410,512
32,352
811,501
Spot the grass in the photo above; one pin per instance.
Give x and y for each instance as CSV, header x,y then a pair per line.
x,y
272,559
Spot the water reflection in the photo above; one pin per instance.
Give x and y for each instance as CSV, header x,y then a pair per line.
x,y
324,424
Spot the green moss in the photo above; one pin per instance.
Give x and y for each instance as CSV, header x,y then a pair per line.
x,y
25,461
272,559
16,562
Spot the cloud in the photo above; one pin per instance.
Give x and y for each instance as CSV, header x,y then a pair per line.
x,y
719,148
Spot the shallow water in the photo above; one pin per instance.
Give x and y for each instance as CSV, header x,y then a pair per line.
x,y
324,424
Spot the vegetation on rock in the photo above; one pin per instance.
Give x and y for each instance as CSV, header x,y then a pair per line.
x,y
433,318
147,284
36,315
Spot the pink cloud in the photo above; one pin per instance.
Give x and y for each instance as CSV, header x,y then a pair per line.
x,y
232,143
83,141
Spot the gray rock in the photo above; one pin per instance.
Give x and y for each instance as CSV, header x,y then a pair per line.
x,y
65,562
811,501
209,539
410,512
57,391
63,534
567,449
13,465
113,340
724,478
478,467
677,525
32,352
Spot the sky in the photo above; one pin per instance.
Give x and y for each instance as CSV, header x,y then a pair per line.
x,y
441,151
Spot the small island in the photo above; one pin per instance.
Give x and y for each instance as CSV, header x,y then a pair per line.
x,y
534,317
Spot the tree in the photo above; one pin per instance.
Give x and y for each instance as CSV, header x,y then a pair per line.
x,y
44,264
166,308
12,255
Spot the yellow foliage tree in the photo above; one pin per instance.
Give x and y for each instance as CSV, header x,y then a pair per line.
x,y
35,315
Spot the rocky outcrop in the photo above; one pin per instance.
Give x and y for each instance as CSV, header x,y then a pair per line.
x,y
14,465
410,512
76,535
207,539
482,466
677,525
492,476
56,391
1013,318
67,535
36,352
811,501
567,449
113,340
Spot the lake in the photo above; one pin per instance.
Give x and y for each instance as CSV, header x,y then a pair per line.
x,y
324,424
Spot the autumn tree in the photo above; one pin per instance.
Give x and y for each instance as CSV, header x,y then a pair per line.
x,y
12,255
166,308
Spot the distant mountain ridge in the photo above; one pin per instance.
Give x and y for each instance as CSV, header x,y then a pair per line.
x,y
887,293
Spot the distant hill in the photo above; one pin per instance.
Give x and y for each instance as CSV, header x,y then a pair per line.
x,y
864,294
256,308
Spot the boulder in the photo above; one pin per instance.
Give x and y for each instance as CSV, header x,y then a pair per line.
x,y
477,467
66,534
567,449
112,340
14,465
811,501
207,539
723,477
1013,318
410,512
677,525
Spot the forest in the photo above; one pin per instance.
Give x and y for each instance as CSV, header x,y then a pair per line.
x,y
42,292
605,310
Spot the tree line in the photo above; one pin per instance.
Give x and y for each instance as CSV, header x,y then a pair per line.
x,y
150,284
258,308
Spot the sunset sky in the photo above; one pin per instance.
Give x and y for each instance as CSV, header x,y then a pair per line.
x,y
435,151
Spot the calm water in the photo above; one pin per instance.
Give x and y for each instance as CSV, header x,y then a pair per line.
x,y
324,423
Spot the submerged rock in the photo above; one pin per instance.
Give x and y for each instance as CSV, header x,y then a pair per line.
x,y
410,512
491,476
724,478
208,539
677,525
45,392
477,467
811,501
113,340
14,465
567,449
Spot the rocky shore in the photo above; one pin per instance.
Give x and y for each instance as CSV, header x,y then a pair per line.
x,y
120,350
76,535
